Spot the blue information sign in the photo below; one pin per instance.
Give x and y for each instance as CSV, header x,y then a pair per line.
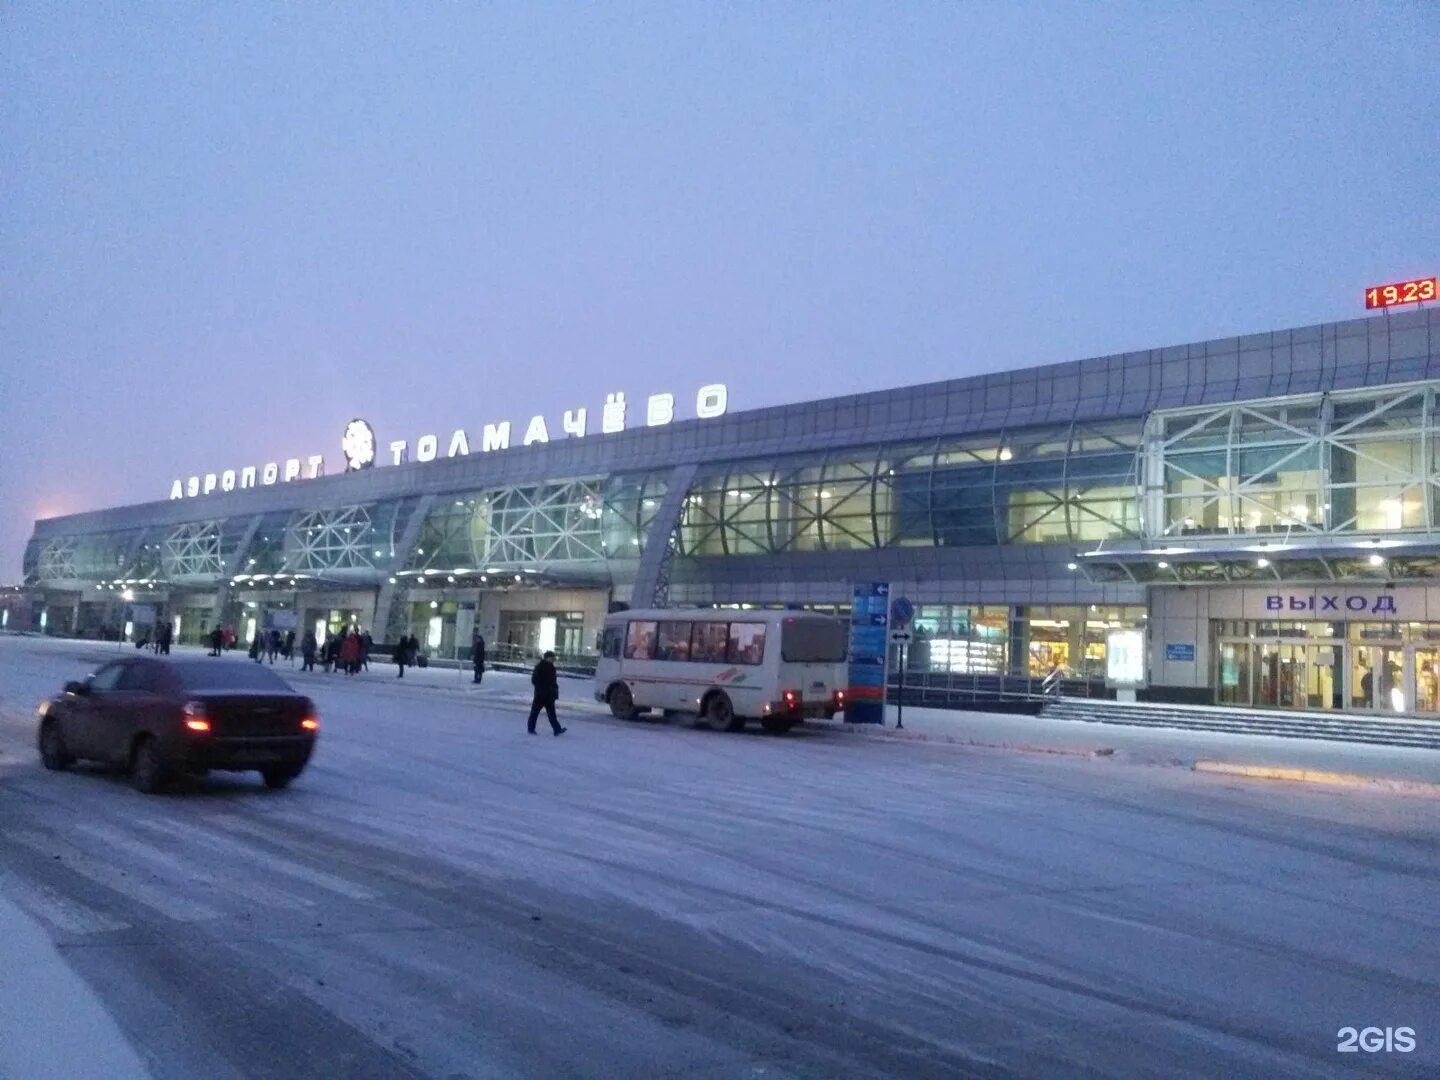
x,y
869,653
1180,650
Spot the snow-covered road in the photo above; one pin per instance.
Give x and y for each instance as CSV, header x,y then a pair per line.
x,y
442,895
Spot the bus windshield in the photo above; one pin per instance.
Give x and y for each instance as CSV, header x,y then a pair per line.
x,y
814,641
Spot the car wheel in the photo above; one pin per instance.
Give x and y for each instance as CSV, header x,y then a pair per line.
x,y
147,771
53,754
776,725
276,779
720,714
622,703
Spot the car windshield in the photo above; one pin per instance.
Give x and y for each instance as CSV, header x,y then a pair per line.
x,y
813,641
219,675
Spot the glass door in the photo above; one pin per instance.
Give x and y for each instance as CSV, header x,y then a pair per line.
x,y
1281,675
1324,674
1377,678
1426,665
1232,683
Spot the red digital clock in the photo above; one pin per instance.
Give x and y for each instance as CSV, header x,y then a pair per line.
x,y
1404,292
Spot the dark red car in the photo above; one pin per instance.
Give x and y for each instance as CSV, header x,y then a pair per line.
x,y
160,718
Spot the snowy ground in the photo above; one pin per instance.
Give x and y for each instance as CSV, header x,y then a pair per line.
x,y
443,895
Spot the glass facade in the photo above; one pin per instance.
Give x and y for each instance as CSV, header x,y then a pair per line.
x,y
1358,462
1077,483
1032,639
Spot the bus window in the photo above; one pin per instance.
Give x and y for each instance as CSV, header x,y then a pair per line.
x,y
708,642
610,643
747,643
814,641
640,642
674,641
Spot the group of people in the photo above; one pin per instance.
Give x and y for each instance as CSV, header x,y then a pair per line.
x,y
347,651
221,638
160,643
269,644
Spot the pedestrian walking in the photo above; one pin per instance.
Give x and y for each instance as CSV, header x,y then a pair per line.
x,y
477,656
547,691
167,634
217,639
402,655
350,652
307,651
289,644
366,644
256,648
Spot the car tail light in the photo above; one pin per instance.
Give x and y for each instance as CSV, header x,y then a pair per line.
x,y
195,718
791,698
310,723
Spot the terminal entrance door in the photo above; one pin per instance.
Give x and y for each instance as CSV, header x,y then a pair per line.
x,y
1426,665
1378,678
1280,674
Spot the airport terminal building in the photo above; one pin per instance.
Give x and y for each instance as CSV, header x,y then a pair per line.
x,y
1266,508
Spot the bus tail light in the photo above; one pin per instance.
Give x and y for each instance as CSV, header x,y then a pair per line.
x,y
839,699
791,699
310,723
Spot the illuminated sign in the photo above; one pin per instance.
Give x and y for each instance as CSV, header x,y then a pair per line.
x,y
1125,659
360,448
1402,292
358,445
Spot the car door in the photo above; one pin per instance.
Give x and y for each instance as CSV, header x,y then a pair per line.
x,y
134,696
85,726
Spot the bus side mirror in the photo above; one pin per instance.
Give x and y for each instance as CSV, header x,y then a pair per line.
x,y
77,688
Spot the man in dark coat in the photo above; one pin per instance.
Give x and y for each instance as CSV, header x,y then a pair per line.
x,y
547,690
477,650
217,638
402,654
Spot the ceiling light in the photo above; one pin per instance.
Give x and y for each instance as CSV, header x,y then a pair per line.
x,y
1163,565
1377,559
1262,562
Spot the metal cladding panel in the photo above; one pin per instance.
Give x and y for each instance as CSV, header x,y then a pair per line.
x,y
1361,352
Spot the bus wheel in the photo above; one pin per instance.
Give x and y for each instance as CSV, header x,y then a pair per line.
x,y
622,704
720,714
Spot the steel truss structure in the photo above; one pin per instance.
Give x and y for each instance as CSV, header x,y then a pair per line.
x,y
336,539
193,550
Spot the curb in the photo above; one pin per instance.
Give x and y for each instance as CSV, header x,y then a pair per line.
x,y
904,735
1319,776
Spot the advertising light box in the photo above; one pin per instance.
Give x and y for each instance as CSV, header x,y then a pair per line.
x,y
1125,659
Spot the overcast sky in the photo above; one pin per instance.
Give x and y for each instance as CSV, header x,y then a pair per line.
x,y
229,228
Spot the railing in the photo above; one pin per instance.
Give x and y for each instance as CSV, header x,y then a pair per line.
x,y
954,690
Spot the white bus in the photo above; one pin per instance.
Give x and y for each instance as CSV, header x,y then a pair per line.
x,y
727,667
